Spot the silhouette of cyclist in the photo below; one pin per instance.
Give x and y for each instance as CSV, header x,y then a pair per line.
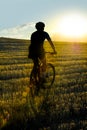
x,y
36,49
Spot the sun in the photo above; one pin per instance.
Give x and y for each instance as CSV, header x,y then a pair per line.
x,y
72,25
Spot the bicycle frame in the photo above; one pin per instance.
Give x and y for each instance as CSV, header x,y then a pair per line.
x,y
37,70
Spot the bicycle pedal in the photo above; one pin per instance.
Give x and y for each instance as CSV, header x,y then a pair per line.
x,y
48,74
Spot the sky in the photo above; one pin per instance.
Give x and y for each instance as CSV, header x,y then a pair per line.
x,y
15,13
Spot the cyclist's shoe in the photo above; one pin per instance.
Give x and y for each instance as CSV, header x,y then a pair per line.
x,y
32,82
30,85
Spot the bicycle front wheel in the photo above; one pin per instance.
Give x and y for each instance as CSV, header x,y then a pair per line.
x,y
49,75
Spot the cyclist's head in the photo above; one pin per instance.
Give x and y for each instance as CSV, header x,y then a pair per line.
x,y
40,26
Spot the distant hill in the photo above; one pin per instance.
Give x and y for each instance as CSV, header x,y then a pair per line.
x,y
12,40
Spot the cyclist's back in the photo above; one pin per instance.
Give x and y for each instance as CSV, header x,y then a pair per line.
x,y
37,40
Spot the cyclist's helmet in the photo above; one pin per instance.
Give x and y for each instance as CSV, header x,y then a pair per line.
x,y
40,26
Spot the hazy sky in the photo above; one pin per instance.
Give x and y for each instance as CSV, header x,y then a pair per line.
x,y
18,12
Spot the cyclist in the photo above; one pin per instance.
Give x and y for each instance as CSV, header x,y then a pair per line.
x,y
36,49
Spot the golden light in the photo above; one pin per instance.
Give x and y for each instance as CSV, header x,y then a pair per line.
x,y
74,26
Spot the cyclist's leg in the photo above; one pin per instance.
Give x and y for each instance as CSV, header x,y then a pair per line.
x,y
43,67
35,69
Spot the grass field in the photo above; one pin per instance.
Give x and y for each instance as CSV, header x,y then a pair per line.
x,y
65,108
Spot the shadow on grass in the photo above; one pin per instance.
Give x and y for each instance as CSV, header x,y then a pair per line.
x,y
50,121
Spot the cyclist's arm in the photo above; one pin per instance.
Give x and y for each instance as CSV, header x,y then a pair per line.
x,y
51,43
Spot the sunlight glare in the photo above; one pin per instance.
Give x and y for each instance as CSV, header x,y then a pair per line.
x,y
72,26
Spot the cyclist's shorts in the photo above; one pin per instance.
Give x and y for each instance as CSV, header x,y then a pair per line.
x,y
33,55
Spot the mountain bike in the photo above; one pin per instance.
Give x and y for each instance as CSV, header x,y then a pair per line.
x,y
40,88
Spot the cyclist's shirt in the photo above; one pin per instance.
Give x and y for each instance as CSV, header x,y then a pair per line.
x,y
36,47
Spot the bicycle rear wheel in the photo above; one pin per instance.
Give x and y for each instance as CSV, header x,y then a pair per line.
x,y
35,99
